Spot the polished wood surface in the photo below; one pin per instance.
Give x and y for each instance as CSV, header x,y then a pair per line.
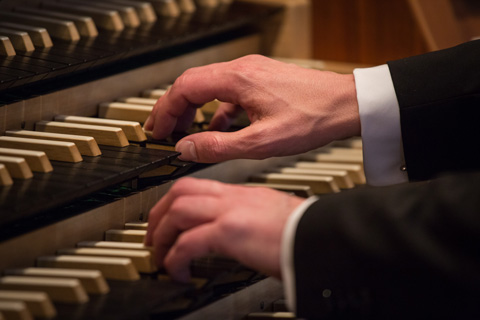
x,y
446,23
365,31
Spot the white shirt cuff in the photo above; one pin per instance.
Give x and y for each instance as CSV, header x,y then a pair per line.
x,y
380,122
287,266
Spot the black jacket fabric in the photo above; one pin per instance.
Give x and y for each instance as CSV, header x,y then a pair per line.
x,y
439,97
410,251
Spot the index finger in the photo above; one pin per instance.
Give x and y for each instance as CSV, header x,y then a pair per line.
x,y
184,186
192,89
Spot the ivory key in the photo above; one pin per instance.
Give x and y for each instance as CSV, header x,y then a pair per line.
x,y
38,303
5,177
142,260
124,111
85,25
125,235
318,184
60,290
187,6
133,130
61,29
21,40
154,93
127,13
111,268
303,191
92,280
15,310
40,36
334,157
166,8
104,19
85,144
136,225
341,177
355,171
37,160
6,47
55,150
138,100
102,134
17,167
144,9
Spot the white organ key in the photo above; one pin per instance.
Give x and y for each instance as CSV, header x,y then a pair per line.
x,y
92,280
111,268
136,225
85,25
16,310
303,191
125,235
354,170
58,28
55,150
103,135
6,47
133,130
61,290
124,111
341,177
17,167
104,19
37,160
154,93
138,100
142,260
5,177
85,144
21,40
318,184
40,36
38,303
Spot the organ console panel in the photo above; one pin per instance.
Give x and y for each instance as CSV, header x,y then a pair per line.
x,y
78,175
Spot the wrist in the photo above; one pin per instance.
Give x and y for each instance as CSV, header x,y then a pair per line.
x,y
342,119
348,113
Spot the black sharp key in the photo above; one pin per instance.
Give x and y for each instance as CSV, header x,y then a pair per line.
x,y
56,56
35,64
127,300
6,80
22,76
70,181
16,63
27,59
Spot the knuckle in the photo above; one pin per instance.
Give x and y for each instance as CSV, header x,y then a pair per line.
x,y
232,226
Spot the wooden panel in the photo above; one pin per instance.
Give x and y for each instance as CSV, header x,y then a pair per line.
x,y
365,31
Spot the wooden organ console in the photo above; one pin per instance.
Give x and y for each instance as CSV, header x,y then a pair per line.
x,y
73,208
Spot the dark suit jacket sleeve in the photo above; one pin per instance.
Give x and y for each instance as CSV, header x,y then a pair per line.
x,y
409,251
439,98
403,252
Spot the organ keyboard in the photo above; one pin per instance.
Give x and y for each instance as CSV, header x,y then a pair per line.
x,y
93,180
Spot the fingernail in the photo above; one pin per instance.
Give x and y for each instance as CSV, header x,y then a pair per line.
x,y
187,150
147,125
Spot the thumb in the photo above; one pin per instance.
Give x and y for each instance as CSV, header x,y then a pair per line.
x,y
213,146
